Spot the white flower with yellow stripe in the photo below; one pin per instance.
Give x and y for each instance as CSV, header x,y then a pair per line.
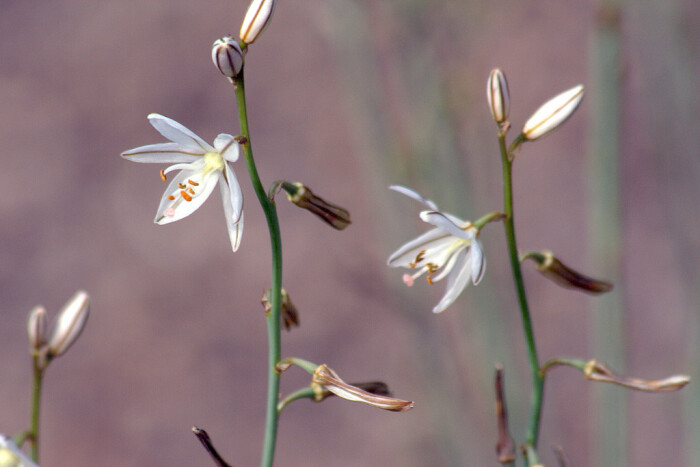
x,y
451,250
201,167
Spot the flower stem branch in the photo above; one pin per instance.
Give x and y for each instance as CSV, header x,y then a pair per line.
x,y
273,317
537,377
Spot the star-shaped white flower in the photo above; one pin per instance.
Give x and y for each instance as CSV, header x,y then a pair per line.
x,y
450,250
201,167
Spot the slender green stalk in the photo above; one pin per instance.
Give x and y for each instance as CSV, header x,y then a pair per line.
x,y
273,317
537,376
36,402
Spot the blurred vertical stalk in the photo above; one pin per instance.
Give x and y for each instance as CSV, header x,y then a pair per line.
x,y
665,40
414,145
609,433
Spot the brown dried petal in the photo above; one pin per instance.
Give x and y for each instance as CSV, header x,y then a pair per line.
x,y
329,380
597,371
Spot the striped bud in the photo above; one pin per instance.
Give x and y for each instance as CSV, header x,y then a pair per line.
x,y
36,327
553,113
256,18
227,57
69,324
498,95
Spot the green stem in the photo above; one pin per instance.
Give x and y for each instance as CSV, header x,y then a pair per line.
x,y
537,377
36,402
273,317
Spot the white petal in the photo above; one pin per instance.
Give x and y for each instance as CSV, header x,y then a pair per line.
x,y
442,221
456,281
445,270
407,253
233,206
178,208
178,133
166,153
228,147
412,194
478,261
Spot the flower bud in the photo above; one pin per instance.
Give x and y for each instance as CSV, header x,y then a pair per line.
x,y
36,328
333,215
596,371
256,18
498,95
69,324
555,270
553,113
227,57
326,379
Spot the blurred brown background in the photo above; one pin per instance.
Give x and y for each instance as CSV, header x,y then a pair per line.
x,y
348,97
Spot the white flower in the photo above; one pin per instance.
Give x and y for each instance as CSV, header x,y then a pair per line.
x,y
11,455
450,250
201,167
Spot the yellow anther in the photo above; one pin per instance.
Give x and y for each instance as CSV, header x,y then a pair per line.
x,y
182,186
171,197
186,196
429,279
190,191
192,183
162,175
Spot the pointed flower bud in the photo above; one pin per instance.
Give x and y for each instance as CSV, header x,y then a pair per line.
x,y
327,379
69,324
36,328
227,57
256,19
553,113
596,371
563,275
498,95
302,196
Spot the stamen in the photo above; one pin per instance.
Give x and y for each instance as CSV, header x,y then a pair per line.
x,y
192,183
429,279
432,268
171,197
182,186
186,196
162,175
420,256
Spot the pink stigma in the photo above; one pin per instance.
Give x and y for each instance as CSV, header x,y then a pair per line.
x,y
170,212
407,279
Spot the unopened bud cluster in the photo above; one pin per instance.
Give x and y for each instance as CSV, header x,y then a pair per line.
x,y
66,329
550,116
